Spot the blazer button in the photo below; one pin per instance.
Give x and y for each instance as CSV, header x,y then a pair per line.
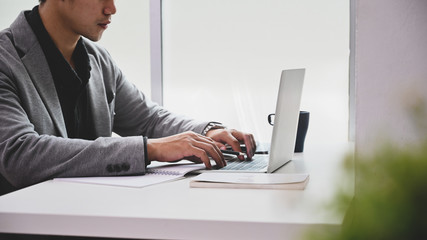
x,y
125,167
117,168
110,168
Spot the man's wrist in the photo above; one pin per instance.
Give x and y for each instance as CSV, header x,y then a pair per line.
x,y
212,126
147,161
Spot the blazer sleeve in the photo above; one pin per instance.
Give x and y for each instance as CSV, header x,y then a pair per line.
x,y
27,157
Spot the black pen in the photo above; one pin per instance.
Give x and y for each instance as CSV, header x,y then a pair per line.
x,y
233,152
261,152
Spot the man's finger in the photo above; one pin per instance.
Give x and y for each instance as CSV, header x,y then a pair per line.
x,y
213,151
202,155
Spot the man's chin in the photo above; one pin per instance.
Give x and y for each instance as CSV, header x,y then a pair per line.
x,y
94,38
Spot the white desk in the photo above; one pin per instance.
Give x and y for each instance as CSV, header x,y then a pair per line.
x,y
175,211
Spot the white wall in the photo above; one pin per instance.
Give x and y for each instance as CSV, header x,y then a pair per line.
x,y
391,70
9,10
223,59
127,39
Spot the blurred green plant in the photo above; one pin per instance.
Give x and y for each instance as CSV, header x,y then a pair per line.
x,y
390,200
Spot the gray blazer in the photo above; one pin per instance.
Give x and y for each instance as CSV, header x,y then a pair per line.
x,y
33,139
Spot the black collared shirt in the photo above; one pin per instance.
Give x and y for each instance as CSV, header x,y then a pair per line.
x,y
70,84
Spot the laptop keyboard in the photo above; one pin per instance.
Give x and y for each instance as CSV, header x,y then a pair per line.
x,y
257,163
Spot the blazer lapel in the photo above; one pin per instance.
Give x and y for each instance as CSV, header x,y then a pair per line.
x,y
42,79
38,70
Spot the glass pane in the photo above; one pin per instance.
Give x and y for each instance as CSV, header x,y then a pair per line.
x,y
223,60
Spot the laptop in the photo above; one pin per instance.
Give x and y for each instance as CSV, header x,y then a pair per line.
x,y
284,130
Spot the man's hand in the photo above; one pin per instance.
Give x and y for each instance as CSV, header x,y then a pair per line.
x,y
233,138
188,145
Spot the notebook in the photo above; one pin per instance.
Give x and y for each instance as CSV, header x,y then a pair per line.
x,y
284,129
284,181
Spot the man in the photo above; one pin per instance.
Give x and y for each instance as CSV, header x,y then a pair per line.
x,y
62,96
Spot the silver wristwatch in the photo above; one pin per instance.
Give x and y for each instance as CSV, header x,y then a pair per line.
x,y
212,126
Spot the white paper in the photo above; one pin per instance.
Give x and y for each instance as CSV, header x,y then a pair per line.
x,y
163,173
123,181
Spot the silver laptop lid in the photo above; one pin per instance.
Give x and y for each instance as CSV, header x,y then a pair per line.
x,y
286,118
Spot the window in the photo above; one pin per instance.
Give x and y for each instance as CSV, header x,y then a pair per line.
x,y
222,61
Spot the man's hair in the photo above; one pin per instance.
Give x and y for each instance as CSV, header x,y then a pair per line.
x,y
42,1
